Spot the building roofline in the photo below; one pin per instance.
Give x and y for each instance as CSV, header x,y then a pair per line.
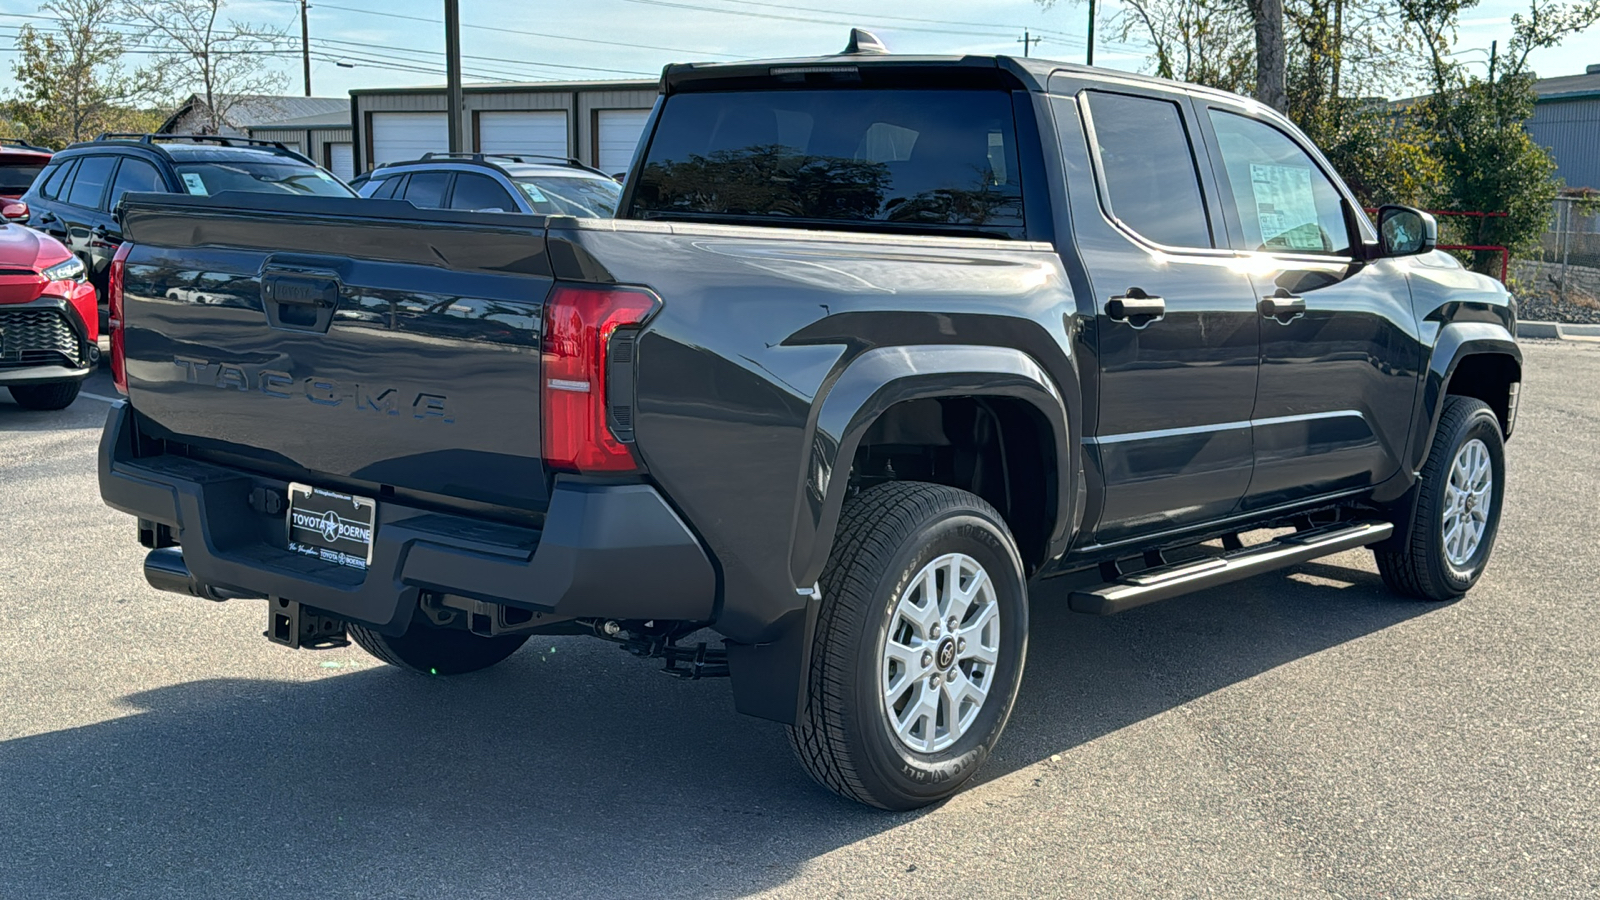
x,y
515,87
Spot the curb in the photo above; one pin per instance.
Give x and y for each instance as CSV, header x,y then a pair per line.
x,y
1560,331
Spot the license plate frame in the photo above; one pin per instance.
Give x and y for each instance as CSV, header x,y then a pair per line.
x,y
334,527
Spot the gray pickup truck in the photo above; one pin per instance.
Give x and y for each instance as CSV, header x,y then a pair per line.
x,y
875,343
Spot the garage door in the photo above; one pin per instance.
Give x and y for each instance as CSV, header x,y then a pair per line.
x,y
397,137
537,133
340,161
619,131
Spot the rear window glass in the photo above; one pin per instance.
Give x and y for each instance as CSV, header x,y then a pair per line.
x,y
927,160
16,176
265,176
557,195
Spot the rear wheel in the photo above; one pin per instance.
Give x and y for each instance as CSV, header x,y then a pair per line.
x,y
919,647
46,396
1457,514
431,650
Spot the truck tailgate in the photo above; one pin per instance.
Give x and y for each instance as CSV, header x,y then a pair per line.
x,y
359,344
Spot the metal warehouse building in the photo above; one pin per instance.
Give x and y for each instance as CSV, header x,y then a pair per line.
x,y
1566,118
595,122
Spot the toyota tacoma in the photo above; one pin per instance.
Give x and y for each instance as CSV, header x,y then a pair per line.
x,y
876,343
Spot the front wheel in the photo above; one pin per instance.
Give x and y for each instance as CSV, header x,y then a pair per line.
x,y
58,395
1451,533
919,648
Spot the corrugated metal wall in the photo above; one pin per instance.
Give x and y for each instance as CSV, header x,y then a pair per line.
x,y
1571,129
312,142
579,100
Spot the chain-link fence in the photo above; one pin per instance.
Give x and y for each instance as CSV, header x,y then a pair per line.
x,y
1563,281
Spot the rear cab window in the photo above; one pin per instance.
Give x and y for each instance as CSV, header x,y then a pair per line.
x,y
920,160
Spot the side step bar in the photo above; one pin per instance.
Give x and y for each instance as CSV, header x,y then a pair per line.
x,y
1162,582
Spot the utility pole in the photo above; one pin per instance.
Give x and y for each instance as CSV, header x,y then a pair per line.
x,y
305,45
452,65
1090,60
1028,39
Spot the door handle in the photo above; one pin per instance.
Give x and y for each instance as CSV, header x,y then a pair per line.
x,y
1283,306
1135,305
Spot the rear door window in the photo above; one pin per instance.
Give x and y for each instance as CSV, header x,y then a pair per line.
x,y
923,160
89,185
480,192
426,190
135,175
1147,168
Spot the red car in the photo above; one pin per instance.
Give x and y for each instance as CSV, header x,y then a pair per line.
x,y
20,163
49,323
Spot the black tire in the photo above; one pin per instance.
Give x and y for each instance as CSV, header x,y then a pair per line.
x,y
886,536
57,395
430,650
1415,564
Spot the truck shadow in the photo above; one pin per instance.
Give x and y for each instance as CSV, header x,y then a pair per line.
x,y
572,770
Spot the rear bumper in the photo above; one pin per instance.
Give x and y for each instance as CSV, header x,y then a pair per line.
x,y
606,551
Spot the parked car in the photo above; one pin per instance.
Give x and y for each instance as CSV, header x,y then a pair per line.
x,y
875,344
535,185
20,163
48,325
75,198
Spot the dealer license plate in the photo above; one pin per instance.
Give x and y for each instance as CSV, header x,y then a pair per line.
x,y
331,526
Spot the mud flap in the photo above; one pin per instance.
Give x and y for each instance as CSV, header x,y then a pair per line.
x,y
770,679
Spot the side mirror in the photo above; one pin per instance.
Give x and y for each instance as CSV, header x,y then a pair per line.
x,y
1403,231
13,210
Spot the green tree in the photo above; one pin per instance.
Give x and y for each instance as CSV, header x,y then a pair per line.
x,y
70,83
1488,160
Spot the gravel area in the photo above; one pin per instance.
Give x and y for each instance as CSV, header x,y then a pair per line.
x,y
1547,307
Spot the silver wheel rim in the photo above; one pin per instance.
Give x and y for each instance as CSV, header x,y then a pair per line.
x,y
1467,497
939,653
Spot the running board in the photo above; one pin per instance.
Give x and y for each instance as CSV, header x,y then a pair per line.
x,y
1162,582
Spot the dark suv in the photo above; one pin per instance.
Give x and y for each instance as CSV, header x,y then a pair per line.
x,y
534,185
74,199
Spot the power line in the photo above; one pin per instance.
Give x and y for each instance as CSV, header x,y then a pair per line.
x,y
775,16
499,30
870,20
875,15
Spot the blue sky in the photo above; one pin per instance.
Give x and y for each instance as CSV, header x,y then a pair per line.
x,y
385,43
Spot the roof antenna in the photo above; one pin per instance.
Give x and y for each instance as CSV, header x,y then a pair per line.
x,y
864,42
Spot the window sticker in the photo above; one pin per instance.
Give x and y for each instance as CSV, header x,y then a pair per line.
x,y
1286,208
195,185
533,192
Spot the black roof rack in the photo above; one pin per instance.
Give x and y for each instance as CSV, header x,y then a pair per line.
x,y
525,158
226,140
21,144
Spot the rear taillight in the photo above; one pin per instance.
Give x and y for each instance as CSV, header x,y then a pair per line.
x,y
579,326
119,364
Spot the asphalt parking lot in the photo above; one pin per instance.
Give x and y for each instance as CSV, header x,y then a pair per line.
x,y
1301,734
